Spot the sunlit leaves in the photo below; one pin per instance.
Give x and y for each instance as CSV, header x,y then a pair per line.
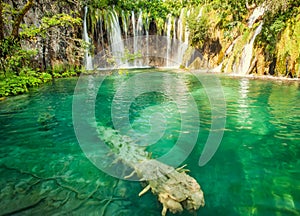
x,y
47,23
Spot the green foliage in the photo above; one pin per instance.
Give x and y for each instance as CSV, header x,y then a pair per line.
x,y
275,22
156,10
130,57
18,72
198,30
64,20
271,33
59,71
18,69
13,84
13,57
288,49
127,57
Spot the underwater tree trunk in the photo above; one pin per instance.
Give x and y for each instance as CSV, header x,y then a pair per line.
x,y
175,189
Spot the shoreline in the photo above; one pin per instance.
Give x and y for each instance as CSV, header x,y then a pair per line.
x,y
262,77
207,71
249,76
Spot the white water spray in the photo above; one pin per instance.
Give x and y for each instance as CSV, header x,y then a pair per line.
x,y
258,12
247,53
139,32
88,57
116,42
169,27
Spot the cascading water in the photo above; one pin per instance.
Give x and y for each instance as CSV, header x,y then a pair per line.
x,y
169,27
139,29
125,34
180,25
147,38
139,32
88,57
228,51
200,13
133,22
243,65
100,34
125,26
187,32
182,33
258,12
174,46
246,57
116,42
247,53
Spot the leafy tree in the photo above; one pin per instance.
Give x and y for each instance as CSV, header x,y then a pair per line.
x,y
19,63
198,30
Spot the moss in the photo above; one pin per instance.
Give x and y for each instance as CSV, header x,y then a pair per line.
x,y
261,63
288,49
234,56
220,57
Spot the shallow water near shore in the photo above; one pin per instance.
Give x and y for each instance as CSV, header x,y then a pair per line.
x,y
255,170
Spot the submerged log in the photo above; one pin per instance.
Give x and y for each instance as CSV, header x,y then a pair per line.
x,y
175,189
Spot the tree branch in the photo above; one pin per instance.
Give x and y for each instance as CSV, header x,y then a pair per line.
x,y
19,18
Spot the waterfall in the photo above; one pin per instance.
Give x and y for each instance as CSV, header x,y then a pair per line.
x,y
180,33
227,53
230,48
139,32
200,13
139,29
258,12
243,66
134,34
101,32
88,57
169,27
245,61
147,39
133,23
124,22
187,35
118,36
186,32
180,25
176,31
116,42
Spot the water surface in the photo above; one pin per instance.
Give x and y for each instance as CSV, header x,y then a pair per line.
x,y
254,172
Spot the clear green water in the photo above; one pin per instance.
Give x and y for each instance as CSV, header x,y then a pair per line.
x,y
256,170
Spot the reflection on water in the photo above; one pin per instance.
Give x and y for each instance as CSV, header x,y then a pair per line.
x,y
244,111
254,172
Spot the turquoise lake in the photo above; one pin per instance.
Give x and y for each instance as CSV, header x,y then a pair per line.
x,y
255,170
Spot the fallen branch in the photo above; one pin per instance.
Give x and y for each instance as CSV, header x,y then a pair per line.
x,y
175,189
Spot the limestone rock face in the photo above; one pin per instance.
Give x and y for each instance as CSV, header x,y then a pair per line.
x,y
60,45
